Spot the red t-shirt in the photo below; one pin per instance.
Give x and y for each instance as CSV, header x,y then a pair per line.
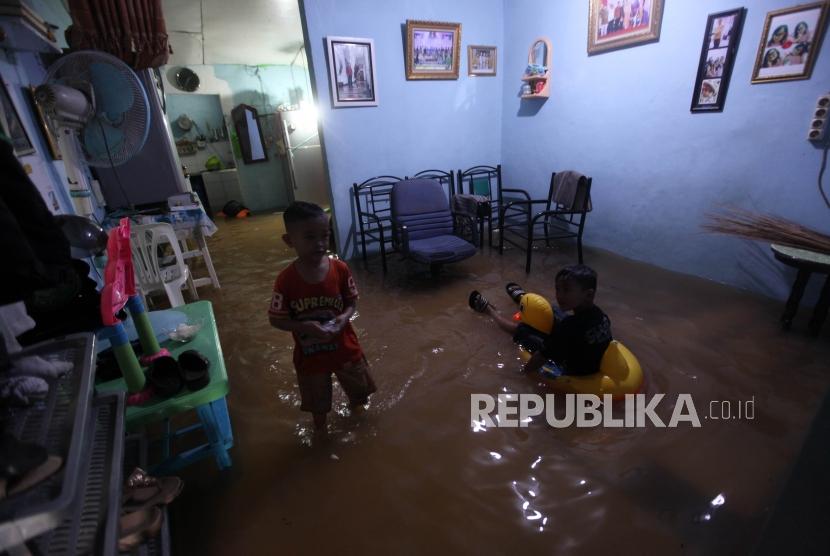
x,y
297,299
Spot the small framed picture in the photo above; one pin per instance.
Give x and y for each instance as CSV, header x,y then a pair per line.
x,y
481,60
352,71
432,49
614,24
12,126
790,43
51,140
717,55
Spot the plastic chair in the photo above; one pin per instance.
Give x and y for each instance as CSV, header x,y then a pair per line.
x,y
155,272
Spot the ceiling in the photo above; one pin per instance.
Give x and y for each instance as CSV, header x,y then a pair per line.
x,y
252,32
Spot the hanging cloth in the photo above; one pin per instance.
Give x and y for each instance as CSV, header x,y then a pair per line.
x,y
132,30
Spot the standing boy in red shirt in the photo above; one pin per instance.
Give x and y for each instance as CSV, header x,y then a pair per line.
x,y
314,298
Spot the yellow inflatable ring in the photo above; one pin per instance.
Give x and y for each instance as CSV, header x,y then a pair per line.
x,y
619,371
619,374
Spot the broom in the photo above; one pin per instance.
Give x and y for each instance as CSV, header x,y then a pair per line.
x,y
766,227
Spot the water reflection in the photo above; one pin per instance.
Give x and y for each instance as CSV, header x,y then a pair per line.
x,y
429,352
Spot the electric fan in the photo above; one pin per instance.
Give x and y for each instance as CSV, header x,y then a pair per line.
x,y
97,108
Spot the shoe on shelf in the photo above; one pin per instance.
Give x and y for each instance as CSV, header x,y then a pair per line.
x,y
135,527
142,490
478,302
24,465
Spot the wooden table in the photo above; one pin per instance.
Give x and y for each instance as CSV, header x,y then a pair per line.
x,y
806,262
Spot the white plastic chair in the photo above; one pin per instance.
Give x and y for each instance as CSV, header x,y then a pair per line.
x,y
155,273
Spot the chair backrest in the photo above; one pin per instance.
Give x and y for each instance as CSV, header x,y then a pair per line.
x,y
570,191
446,179
423,207
481,180
152,270
372,197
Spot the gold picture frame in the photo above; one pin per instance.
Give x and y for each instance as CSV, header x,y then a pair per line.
x,y
482,60
433,49
51,140
790,43
614,24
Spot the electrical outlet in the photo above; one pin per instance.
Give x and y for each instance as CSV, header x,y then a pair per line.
x,y
819,119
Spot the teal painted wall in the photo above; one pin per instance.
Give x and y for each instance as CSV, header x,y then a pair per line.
x,y
265,88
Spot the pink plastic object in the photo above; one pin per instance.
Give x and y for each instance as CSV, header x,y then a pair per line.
x,y
119,279
140,397
145,360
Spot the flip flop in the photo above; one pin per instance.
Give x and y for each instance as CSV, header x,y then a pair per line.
x,y
142,491
165,377
515,291
135,527
17,458
10,487
194,369
478,302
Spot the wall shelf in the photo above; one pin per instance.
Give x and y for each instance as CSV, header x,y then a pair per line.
x,y
538,55
26,33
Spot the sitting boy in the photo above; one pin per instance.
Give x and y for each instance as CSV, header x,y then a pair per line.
x,y
577,341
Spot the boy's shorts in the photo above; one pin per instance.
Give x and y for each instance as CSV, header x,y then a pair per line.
x,y
354,378
529,338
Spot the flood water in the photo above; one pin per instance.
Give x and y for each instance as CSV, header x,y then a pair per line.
x,y
413,475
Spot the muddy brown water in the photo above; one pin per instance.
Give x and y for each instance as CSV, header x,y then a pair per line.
x,y
413,475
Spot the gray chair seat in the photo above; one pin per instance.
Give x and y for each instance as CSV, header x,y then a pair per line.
x,y
440,249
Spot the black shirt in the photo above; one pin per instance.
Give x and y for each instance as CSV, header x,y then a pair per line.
x,y
578,341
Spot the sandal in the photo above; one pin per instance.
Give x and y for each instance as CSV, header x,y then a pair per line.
x,y
165,377
10,486
194,369
515,291
142,491
135,527
478,302
24,465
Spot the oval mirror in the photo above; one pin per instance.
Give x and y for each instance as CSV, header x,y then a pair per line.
x,y
540,53
187,80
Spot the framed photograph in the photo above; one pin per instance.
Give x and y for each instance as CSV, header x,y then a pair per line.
x,y
432,49
51,140
614,24
717,55
352,71
790,43
481,60
12,126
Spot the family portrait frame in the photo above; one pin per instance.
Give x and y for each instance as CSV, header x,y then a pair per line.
x,y
481,60
614,24
717,57
790,43
433,49
352,71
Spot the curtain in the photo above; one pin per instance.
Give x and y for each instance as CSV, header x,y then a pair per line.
x,y
132,30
